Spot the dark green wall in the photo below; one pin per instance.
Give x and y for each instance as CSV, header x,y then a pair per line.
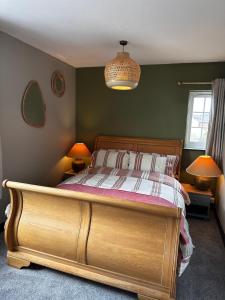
x,y
157,108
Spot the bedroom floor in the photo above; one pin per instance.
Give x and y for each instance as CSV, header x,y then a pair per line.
x,y
204,278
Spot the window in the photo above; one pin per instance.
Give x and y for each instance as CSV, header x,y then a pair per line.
x,y
199,109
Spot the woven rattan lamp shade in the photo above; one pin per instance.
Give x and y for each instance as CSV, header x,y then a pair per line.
x,y
122,73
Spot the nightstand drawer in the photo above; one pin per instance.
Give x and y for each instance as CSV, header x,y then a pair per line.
x,y
199,207
200,200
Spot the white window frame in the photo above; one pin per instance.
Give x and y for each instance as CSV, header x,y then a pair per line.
x,y
188,143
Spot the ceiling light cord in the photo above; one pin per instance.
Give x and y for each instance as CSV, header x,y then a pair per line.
x,y
123,43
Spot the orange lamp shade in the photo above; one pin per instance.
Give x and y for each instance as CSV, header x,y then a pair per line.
x,y
79,150
204,166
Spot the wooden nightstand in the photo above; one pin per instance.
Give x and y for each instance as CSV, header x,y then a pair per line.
x,y
200,202
69,173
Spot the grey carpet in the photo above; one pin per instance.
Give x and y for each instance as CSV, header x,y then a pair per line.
x,y
204,278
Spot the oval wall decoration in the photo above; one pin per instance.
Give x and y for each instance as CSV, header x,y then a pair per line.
x,y
58,84
33,106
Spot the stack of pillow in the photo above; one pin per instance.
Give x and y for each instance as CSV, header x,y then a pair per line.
x,y
138,161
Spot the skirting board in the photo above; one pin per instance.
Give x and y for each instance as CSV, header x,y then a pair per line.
x,y
2,226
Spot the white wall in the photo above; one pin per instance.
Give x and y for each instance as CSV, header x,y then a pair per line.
x,y
33,155
0,169
221,197
221,201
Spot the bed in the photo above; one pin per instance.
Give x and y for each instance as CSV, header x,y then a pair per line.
x,y
132,245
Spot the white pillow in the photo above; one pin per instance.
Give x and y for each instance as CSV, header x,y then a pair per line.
x,y
110,158
140,161
154,162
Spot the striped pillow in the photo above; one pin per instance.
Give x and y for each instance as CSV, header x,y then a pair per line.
x,y
154,162
110,158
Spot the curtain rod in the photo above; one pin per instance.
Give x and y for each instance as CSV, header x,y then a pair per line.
x,y
193,82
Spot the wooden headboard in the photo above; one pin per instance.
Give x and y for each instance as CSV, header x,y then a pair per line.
x,y
161,146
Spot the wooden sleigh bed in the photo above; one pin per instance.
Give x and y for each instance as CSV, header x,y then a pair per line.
x,y
129,245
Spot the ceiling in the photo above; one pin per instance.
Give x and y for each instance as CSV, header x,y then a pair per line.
x,y
85,33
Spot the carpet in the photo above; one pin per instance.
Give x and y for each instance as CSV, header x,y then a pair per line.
x,y
204,279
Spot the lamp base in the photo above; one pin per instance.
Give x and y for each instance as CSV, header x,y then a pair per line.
x,y
202,183
78,165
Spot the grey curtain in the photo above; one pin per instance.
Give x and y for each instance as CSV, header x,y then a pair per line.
x,y
216,135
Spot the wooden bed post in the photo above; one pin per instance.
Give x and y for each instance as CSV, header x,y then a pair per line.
x,y
16,262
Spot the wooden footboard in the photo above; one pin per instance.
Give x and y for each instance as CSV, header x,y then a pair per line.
x,y
125,244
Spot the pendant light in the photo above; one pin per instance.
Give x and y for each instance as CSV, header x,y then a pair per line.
x,y
122,72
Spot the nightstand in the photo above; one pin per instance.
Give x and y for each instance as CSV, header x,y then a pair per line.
x,y
69,173
200,202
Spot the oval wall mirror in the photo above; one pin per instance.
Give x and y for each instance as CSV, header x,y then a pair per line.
x,y
58,84
33,106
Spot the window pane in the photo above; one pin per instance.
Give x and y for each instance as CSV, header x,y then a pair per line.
x,y
208,104
206,118
198,104
198,117
195,134
204,134
205,125
196,120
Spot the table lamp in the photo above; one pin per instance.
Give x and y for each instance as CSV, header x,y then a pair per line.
x,y
79,152
203,168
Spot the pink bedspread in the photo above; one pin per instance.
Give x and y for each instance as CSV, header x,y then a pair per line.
x,y
154,188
